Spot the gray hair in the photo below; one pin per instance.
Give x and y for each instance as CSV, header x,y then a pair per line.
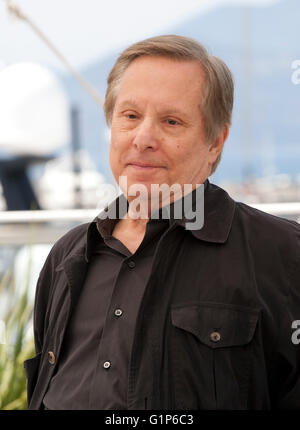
x,y
217,103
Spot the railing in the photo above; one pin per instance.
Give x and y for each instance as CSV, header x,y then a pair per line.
x,y
43,226
287,210
46,226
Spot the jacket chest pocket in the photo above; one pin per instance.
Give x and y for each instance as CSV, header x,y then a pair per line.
x,y
213,350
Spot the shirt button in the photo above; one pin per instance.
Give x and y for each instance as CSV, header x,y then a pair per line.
x,y
51,357
106,365
118,312
131,264
215,336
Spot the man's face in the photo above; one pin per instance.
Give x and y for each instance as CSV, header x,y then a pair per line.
x,y
157,132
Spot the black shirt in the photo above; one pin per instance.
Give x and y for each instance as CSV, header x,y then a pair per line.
x,y
92,371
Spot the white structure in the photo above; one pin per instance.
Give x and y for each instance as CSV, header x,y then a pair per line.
x,y
35,121
34,111
55,188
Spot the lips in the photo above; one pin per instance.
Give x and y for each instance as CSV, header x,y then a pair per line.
x,y
139,164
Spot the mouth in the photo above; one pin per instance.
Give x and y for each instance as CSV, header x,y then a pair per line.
x,y
144,166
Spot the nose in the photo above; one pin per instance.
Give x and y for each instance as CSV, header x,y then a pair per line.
x,y
146,135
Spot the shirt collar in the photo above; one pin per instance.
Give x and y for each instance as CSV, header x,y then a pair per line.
x,y
219,210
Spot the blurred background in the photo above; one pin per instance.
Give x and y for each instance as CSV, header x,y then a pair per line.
x,y
54,169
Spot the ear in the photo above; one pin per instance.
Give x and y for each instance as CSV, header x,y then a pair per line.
x,y
217,146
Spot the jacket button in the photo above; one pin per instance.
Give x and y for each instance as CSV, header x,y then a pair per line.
x,y
215,336
106,365
118,312
51,357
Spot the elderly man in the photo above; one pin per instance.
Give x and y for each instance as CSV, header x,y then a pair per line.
x,y
145,313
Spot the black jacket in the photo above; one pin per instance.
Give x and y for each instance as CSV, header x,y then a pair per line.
x,y
214,330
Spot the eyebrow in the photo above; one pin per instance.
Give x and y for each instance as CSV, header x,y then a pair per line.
x,y
128,102
167,111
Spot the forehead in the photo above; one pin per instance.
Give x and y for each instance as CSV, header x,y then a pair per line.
x,y
162,79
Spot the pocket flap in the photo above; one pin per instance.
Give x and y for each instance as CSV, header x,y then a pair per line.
x,y
216,325
31,365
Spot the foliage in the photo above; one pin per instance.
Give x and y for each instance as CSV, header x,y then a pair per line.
x,y
16,342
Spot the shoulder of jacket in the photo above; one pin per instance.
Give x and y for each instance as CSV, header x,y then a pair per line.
x,y
257,219
73,241
73,235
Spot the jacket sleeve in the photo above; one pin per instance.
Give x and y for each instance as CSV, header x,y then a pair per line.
x,y
288,347
42,296
31,365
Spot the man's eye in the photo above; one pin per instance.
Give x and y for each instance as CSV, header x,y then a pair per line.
x,y
130,116
172,122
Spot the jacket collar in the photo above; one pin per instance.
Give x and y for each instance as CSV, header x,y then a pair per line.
x,y
219,210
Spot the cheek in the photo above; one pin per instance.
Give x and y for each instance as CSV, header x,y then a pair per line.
x,y
114,139
183,151
189,156
115,153
116,146
119,139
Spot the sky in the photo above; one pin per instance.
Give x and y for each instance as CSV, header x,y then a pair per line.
x,y
86,30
